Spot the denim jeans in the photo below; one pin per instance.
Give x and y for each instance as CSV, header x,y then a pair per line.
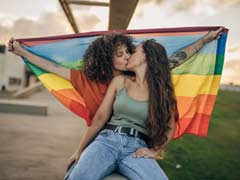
x,y
111,151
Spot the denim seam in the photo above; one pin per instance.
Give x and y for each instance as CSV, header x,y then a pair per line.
x,y
114,167
131,169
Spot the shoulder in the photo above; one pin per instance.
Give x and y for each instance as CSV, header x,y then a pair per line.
x,y
119,81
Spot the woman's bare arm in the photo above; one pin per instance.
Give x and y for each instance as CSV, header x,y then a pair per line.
x,y
184,54
102,115
16,48
99,120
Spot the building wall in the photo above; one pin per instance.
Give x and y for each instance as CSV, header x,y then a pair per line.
x,y
11,71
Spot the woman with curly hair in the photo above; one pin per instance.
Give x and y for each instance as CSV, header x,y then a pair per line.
x,y
105,58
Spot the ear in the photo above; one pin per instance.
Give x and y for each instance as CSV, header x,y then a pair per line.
x,y
144,57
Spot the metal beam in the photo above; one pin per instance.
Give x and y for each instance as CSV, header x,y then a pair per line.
x,y
69,15
88,3
121,13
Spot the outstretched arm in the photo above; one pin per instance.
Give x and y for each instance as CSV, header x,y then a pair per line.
x,y
184,54
15,47
101,116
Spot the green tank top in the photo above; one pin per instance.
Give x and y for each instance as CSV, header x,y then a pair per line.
x,y
129,112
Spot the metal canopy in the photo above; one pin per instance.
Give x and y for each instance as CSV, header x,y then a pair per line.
x,y
120,12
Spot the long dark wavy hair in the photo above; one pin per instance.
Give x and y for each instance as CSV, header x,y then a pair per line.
x,y
98,65
162,100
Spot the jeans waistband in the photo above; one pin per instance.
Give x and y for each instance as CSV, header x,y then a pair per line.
x,y
127,130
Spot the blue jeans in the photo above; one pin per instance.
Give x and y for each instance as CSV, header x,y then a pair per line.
x,y
111,151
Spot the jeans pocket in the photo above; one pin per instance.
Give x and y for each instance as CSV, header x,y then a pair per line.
x,y
105,132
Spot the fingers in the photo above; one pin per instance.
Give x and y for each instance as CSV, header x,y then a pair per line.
x,y
10,44
219,30
138,153
11,40
10,47
13,45
215,34
143,155
142,152
70,163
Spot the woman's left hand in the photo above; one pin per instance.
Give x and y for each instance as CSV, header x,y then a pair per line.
x,y
213,35
145,152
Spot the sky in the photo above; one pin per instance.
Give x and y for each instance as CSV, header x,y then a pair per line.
x,y
35,18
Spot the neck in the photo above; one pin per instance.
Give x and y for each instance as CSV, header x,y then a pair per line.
x,y
141,76
116,73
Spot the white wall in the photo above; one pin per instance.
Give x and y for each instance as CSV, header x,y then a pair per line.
x,y
11,66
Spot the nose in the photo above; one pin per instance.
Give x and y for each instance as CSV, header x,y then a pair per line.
x,y
127,56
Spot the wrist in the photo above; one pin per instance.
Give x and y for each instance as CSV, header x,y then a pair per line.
x,y
156,150
158,153
79,150
23,53
206,39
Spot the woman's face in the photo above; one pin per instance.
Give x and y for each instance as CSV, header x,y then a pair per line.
x,y
137,58
120,58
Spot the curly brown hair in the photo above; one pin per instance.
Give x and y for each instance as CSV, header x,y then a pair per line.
x,y
98,65
162,100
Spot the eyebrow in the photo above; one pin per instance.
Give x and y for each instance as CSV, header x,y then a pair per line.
x,y
121,49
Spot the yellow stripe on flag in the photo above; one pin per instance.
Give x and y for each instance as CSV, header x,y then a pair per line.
x,y
190,85
53,82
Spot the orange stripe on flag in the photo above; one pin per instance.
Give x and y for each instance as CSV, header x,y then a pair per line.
x,y
74,106
197,125
82,111
72,94
201,104
64,100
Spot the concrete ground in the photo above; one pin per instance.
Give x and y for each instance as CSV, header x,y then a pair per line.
x,y
38,147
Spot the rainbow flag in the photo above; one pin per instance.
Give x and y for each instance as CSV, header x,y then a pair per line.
x,y
196,82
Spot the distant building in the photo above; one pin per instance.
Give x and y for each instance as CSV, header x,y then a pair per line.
x,y
12,71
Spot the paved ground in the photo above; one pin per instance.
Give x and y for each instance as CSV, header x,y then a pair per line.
x,y
37,147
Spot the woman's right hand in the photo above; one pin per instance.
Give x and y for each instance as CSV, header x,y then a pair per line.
x,y
75,157
15,47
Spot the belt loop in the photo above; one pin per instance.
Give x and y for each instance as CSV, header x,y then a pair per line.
x,y
131,132
136,133
120,129
115,130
